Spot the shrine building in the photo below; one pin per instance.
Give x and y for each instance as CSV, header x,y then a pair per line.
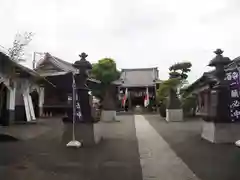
x,y
202,89
58,88
18,85
137,82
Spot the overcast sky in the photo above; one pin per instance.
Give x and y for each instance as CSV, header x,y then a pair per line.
x,y
136,33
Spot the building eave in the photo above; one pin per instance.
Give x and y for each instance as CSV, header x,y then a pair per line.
x,y
206,80
21,67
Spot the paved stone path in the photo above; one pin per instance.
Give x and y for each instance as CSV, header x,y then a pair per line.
x,y
158,160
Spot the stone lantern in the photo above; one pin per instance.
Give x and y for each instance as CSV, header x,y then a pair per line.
x,y
86,130
82,89
219,62
220,96
218,127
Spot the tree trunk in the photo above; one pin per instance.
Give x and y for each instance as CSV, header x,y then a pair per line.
x,y
173,100
109,106
109,99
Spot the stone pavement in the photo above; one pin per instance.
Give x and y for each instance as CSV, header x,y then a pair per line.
x,y
135,148
158,160
44,157
208,161
32,130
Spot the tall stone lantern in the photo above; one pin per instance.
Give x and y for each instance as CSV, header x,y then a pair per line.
x,y
86,130
220,95
82,90
219,128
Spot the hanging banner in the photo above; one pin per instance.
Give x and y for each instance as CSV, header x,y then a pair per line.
x,y
232,77
78,111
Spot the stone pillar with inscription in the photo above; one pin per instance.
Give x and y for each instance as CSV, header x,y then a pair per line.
x,y
224,114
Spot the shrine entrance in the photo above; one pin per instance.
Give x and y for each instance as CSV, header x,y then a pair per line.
x,y
136,97
3,105
137,101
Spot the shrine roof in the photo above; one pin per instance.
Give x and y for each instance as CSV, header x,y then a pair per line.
x,y
65,67
235,62
19,66
206,79
138,77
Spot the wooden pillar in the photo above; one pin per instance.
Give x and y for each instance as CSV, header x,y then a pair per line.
x,y
129,101
11,103
27,99
24,106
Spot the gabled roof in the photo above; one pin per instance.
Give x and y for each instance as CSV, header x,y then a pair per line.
x,y
138,77
233,63
18,65
208,77
61,64
205,79
65,66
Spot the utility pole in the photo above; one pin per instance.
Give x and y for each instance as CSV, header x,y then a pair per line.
x,y
34,58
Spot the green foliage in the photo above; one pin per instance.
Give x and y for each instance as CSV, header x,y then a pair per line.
x,y
98,92
184,93
178,77
105,71
180,70
162,109
165,86
189,103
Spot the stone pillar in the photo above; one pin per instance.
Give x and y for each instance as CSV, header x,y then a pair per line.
x,y
41,101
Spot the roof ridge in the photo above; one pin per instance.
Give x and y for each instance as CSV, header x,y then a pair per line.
x,y
23,67
64,65
62,61
137,69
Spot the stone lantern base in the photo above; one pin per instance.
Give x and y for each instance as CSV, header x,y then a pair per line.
x,y
174,115
89,134
221,132
108,115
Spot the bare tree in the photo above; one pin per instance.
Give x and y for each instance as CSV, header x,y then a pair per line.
x,y
16,52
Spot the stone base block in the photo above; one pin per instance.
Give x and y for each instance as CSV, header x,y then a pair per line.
x,y
221,132
88,134
174,115
108,115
